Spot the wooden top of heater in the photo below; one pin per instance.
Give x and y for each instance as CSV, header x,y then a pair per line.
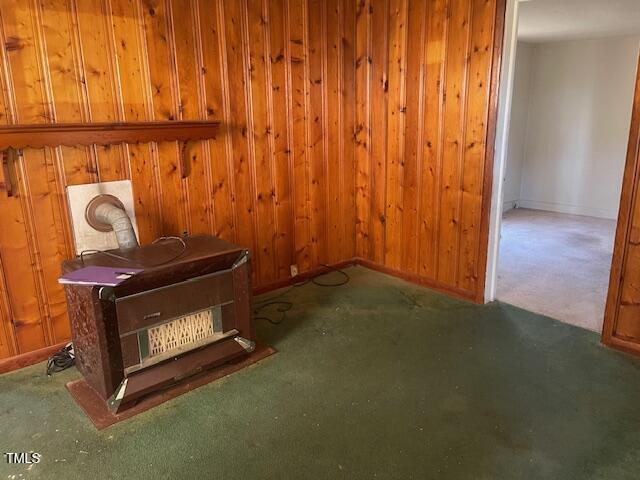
x,y
162,254
166,261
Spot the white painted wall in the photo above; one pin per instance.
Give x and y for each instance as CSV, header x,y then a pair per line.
x,y
518,128
576,131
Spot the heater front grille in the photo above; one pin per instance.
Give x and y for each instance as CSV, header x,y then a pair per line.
x,y
180,335
181,332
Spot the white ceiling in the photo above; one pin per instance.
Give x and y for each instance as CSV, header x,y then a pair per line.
x,y
553,20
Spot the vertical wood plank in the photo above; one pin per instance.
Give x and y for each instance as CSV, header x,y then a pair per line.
x,y
362,134
91,24
414,125
334,157
216,89
165,97
379,94
37,169
395,133
62,74
347,101
483,14
262,139
299,127
282,154
455,99
7,102
237,65
316,28
188,59
7,338
132,80
8,342
19,281
433,136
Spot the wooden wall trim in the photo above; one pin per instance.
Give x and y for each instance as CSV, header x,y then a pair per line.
x,y
496,67
417,279
628,206
17,362
627,346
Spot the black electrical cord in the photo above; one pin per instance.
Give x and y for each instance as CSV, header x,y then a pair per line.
x,y
61,360
344,281
283,306
133,262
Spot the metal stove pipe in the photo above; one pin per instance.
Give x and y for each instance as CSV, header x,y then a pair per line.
x,y
120,222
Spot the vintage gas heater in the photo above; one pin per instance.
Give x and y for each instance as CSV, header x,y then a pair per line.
x,y
186,310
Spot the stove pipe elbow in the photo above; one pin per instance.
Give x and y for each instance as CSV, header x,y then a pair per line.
x,y
120,222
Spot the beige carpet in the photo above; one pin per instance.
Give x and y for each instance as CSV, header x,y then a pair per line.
x,y
556,264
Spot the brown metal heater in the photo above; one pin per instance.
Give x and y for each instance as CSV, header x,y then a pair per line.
x,y
186,312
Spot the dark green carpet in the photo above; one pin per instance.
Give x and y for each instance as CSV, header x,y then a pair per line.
x,y
378,379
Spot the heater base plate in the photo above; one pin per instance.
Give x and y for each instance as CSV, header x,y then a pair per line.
x,y
101,417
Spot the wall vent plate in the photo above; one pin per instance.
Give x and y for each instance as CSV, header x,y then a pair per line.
x,y
84,235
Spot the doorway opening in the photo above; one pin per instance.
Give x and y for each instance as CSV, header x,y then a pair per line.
x,y
573,71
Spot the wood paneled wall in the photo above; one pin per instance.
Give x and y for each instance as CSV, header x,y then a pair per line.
x,y
351,128
426,74
622,314
279,179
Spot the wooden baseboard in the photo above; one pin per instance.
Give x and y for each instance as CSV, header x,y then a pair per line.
x,y
569,209
625,346
287,282
418,280
25,359
410,277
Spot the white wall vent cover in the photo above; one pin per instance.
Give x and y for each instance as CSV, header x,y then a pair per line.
x,y
84,235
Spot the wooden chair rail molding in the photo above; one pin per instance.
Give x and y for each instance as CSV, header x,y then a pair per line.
x,y
15,137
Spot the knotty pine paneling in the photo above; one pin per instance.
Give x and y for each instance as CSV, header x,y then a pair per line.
x,y
279,178
423,102
349,129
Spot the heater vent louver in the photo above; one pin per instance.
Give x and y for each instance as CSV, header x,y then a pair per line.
x,y
180,332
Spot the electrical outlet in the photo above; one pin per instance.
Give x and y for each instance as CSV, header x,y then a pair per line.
x,y
294,270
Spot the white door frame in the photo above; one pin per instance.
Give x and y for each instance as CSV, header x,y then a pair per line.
x,y
502,139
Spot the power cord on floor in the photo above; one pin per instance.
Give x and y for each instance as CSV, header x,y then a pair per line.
x,y
61,360
283,306
344,274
